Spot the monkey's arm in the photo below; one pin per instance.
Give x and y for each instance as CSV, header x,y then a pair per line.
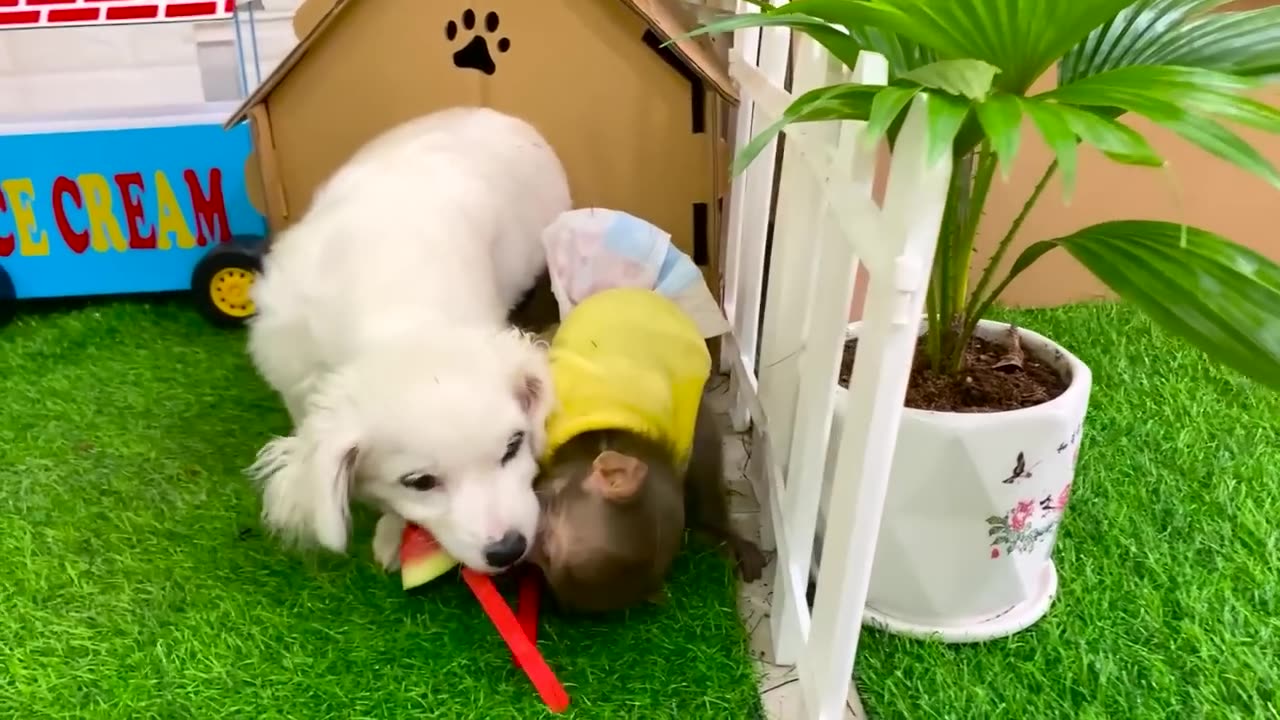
x,y
706,497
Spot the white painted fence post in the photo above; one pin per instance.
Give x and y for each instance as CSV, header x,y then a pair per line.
x,y
788,290
811,284
827,220
746,43
911,218
749,202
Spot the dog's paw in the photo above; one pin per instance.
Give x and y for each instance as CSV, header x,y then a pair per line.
x,y
386,542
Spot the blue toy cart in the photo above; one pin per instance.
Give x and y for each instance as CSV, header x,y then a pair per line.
x,y
138,201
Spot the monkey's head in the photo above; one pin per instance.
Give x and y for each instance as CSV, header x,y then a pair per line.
x,y
612,522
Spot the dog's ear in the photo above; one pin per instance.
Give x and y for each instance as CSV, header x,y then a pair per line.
x,y
531,377
307,478
531,391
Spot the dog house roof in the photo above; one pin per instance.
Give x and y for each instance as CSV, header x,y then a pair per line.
x,y
315,17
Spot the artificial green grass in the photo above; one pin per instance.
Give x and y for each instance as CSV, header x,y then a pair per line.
x,y
135,582
1168,558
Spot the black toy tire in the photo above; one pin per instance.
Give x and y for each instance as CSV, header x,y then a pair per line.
x,y
235,255
8,298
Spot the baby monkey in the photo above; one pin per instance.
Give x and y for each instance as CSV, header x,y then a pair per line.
x,y
634,455
615,511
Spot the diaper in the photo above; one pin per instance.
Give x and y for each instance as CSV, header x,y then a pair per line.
x,y
594,249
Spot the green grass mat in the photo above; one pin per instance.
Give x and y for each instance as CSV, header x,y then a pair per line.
x,y
134,582
1169,556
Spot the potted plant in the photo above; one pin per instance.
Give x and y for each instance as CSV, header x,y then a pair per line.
x,y
988,444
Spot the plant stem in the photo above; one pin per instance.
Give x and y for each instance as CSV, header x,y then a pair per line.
x,y
978,304
986,305
963,256
953,219
939,296
933,313
969,230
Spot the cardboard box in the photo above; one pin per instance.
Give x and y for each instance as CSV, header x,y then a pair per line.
x,y
638,127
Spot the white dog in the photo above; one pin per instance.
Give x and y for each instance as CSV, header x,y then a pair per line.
x,y
381,321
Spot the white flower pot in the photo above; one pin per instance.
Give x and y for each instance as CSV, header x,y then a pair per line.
x,y
973,509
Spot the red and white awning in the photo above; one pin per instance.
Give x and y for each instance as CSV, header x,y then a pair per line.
x,y
16,14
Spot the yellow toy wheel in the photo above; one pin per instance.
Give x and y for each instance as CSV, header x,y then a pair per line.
x,y
221,283
229,292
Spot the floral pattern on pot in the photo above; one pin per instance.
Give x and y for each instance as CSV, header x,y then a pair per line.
x,y
1017,531
1030,521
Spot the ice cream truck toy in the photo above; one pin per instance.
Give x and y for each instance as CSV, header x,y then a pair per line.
x,y
148,200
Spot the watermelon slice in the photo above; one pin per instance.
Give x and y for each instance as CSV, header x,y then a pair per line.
x,y
422,559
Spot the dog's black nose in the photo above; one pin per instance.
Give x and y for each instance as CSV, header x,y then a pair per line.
x,y
507,551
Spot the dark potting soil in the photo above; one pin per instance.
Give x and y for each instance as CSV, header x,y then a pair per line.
x,y
996,377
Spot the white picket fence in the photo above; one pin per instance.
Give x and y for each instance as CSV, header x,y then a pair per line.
x,y
826,222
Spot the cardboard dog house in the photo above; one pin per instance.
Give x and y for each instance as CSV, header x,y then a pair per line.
x,y
639,127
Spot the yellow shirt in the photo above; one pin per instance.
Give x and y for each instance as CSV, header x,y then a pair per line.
x,y
628,359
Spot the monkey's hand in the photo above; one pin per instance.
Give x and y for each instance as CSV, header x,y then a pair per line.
x,y
747,556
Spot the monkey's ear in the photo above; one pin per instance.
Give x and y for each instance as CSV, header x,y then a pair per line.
x,y
617,477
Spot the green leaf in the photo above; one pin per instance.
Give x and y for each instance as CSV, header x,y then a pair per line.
x,y
744,21
848,101
1027,258
1215,138
885,108
1244,43
1058,136
1168,96
1179,32
1222,297
1167,81
902,54
1206,91
1119,142
1243,110
970,78
1024,38
839,44
946,115
1119,41
1001,119
756,145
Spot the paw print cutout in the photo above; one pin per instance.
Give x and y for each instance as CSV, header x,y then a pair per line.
x,y
477,53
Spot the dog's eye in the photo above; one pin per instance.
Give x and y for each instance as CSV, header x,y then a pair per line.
x,y
513,447
420,481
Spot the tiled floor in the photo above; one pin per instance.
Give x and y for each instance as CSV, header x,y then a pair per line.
x,y
779,685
